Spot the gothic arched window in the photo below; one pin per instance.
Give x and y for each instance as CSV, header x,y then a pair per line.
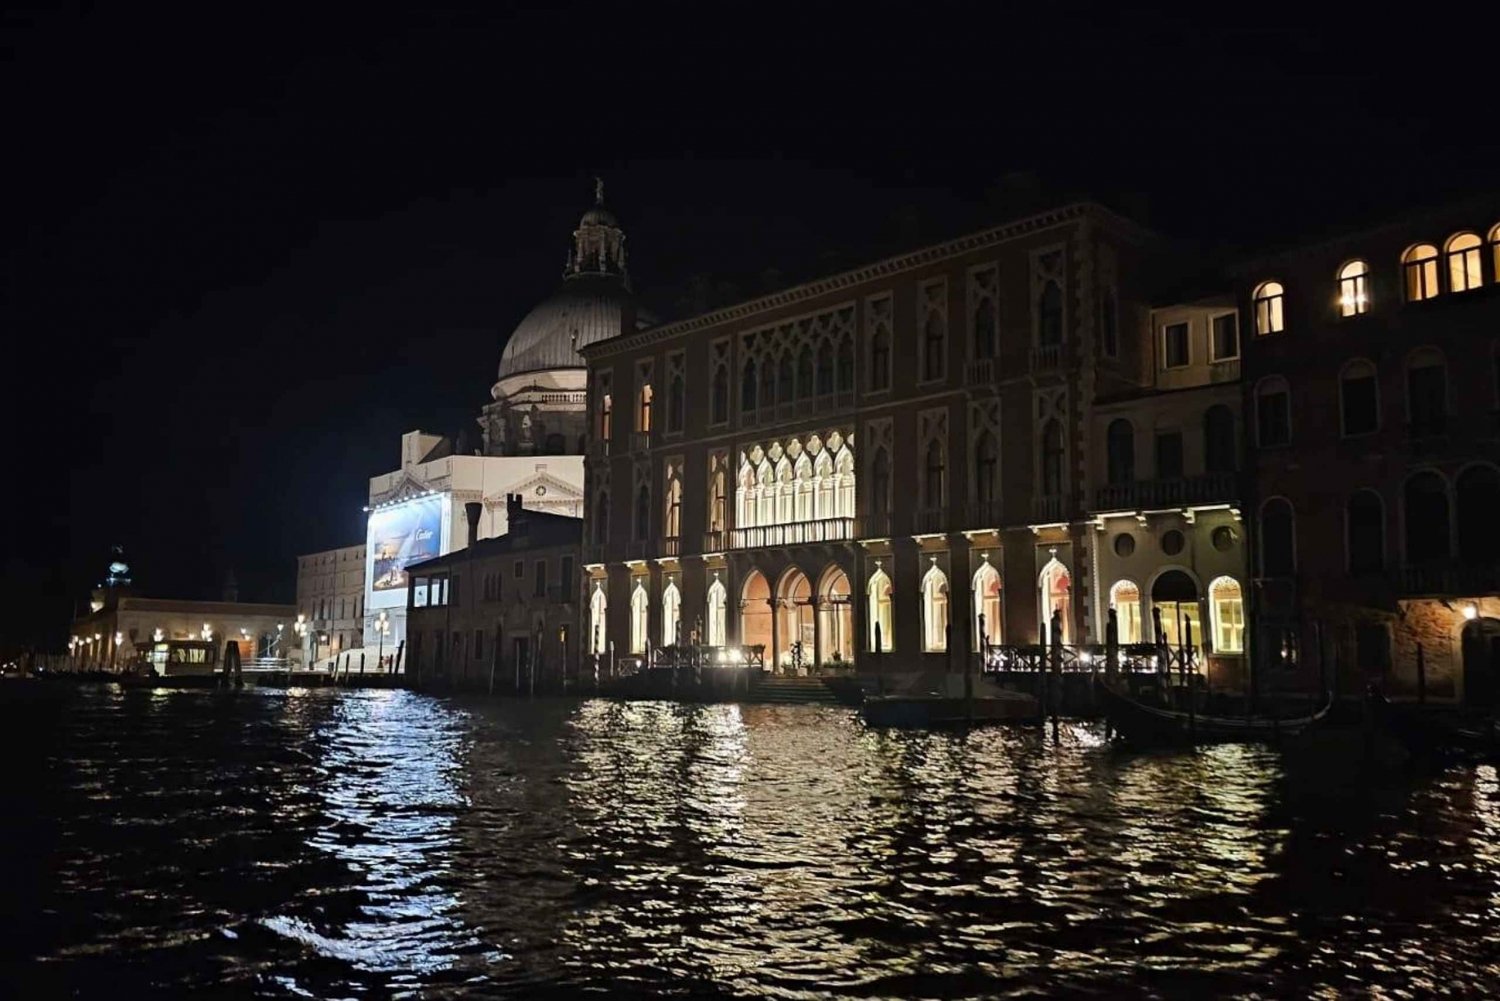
x,y
1049,315
932,482
986,466
642,514
719,396
1120,452
747,387
1052,459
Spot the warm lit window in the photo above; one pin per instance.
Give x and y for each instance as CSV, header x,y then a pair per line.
x,y
1273,413
1354,292
1125,597
643,415
1229,615
1175,345
1421,266
1269,318
673,526
606,417
1495,250
935,611
1464,268
1225,336
1359,407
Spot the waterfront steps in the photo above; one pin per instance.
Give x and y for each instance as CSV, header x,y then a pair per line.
x,y
791,691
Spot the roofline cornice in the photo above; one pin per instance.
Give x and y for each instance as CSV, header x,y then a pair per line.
x,y
891,265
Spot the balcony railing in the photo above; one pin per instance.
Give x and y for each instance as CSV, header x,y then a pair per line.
x,y
670,546
931,521
982,515
638,549
593,552
1448,579
979,372
1205,489
1046,357
1048,509
793,534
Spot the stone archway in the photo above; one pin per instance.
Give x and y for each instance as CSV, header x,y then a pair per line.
x,y
755,612
796,634
835,619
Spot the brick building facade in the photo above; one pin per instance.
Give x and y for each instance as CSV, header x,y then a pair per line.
x,y
1373,378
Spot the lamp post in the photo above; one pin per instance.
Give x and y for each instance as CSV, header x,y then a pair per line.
x,y
98,652
300,628
114,657
382,626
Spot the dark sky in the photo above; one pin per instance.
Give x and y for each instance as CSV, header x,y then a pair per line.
x,y
245,249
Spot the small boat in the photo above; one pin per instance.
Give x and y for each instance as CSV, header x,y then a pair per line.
x,y
1431,732
943,710
1151,726
143,680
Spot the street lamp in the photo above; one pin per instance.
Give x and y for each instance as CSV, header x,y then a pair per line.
x,y
382,626
114,657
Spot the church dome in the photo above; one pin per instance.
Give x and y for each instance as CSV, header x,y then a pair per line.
x,y
592,304
586,309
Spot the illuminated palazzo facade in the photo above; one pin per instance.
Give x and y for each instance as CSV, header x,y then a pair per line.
x,y
855,470
1372,390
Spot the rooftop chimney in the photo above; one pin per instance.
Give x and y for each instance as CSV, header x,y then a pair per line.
x,y
472,511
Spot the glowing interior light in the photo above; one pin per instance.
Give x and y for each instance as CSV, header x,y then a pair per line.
x,y
1471,612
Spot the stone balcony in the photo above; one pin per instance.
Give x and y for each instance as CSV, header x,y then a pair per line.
x,y
1210,488
796,533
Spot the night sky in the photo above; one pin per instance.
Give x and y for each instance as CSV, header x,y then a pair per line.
x,y
245,249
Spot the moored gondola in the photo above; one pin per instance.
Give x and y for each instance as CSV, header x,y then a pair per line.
x,y
1151,726
1433,732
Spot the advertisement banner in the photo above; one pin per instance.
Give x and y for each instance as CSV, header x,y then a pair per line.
x,y
402,535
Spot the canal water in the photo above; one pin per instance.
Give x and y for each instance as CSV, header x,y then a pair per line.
x,y
379,844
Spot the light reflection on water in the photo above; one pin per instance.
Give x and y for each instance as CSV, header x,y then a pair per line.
x,y
336,844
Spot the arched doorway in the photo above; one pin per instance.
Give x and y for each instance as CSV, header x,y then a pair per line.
x,y
1175,596
836,620
795,631
640,604
718,604
671,615
1481,652
1125,597
598,610
987,607
1056,586
880,613
755,612
935,611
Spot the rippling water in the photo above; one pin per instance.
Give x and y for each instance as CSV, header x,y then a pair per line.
x,y
375,844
